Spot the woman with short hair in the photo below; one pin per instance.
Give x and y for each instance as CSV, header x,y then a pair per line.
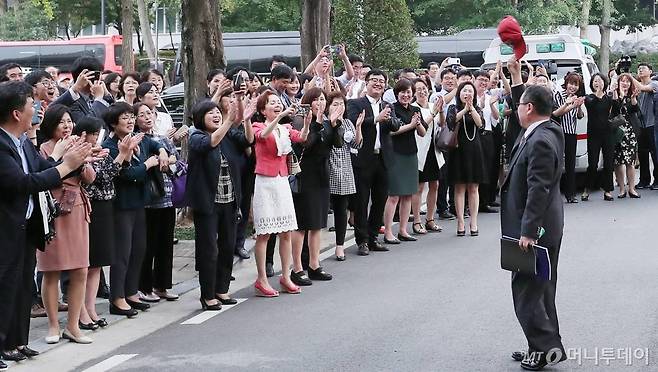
x,y
128,88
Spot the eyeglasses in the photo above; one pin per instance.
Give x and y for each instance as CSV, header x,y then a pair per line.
x,y
47,82
377,81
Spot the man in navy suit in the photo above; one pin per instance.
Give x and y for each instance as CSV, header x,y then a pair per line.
x,y
23,173
532,210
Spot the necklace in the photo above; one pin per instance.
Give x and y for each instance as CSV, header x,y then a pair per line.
x,y
466,131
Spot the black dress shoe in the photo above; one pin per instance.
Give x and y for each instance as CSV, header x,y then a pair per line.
x,y
406,238
102,322
488,209
242,253
14,356
534,364
28,352
3,366
634,196
319,274
115,310
300,278
572,200
269,269
228,301
445,215
88,327
494,204
363,249
376,246
138,305
519,355
654,186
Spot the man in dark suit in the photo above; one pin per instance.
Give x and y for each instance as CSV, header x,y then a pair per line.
x,y
532,209
23,173
369,167
88,96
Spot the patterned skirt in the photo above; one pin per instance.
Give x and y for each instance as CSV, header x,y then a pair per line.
x,y
274,210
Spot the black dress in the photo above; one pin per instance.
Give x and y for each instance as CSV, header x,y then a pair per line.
x,y
312,201
466,163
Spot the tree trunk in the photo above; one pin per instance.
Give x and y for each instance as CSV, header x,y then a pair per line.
x,y
584,18
314,30
202,48
145,27
604,27
127,57
3,6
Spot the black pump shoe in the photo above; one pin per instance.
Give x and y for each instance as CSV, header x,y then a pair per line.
x,y
206,307
228,301
319,274
89,326
138,305
406,238
115,310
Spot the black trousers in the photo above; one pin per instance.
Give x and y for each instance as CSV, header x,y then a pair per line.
x,y
534,304
442,194
646,145
214,238
597,144
248,180
371,183
339,205
487,189
159,257
569,176
130,248
271,244
16,288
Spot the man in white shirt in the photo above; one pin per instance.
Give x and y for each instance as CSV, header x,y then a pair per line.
x,y
407,73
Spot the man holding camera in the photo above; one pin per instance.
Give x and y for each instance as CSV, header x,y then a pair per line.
x,y
646,140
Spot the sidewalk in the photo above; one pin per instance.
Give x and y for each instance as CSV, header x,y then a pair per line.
x,y
185,280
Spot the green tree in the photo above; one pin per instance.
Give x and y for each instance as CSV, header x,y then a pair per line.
x,y
13,23
260,15
451,16
379,30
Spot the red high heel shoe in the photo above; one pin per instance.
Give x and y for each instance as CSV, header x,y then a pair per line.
x,y
262,292
292,290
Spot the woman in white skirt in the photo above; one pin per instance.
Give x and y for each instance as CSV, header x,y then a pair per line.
x,y
273,208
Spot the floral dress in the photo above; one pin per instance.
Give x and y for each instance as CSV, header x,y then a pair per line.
x,y
626,149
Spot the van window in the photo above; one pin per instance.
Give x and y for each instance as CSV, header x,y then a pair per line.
x,y
118,54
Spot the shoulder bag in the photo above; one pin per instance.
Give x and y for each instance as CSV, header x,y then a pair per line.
x,y
446,139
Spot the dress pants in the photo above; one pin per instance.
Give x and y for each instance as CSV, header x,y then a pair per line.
x,y
646,145
339,205
16,289
371,183
569,177
534,304
595,145
130,248
214,238
442,195
159,257
248,179
487,189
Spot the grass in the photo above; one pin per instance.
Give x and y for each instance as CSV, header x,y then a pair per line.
x,y
184,233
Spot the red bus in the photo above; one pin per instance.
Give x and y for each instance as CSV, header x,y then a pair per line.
x,y
62,53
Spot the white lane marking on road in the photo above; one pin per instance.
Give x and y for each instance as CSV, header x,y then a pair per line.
x,y
198,319
110,363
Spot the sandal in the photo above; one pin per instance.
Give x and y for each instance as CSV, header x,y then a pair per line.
x,y
431,226
420,230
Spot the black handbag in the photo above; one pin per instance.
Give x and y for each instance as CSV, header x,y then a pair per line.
x,y
155,183
617,121
446,139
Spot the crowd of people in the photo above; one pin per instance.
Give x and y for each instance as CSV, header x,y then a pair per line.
x,y
91,174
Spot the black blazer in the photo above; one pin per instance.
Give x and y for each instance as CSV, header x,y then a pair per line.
x,y
81,107
203,173
369,132
530,194
15,190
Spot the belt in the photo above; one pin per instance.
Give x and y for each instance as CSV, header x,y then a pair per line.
x,y
376,151
486,132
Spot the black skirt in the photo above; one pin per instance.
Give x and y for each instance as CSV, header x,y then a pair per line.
x,y
101,233
311,207
431,170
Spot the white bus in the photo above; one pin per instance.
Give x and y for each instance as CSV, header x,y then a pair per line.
x,y
562,53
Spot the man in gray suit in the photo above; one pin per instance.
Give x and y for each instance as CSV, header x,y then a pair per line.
x,y
532,209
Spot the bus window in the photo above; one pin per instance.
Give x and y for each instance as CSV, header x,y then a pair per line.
x,y
27,56
118,55
64,55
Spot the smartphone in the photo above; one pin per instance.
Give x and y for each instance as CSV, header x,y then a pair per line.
x,y
303,109
184,128
101,137
238,80
542,63
35,118
96,77
454,61
336,49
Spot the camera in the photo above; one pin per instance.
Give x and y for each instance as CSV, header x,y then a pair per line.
x,y
335,49
238,80
624,64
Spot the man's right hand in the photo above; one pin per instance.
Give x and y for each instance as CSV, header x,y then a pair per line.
x,y
98,90
75,156
83,80
384,115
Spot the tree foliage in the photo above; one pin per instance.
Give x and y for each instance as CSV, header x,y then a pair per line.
x,y
14,23
451,16
260,15
625,13
379,30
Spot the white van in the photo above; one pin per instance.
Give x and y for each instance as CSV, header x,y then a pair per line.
x,y
569,54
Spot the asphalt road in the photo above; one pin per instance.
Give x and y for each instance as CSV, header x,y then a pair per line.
x,y
439,304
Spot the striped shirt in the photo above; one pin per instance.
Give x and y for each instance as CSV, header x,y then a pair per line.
x,y
568,121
